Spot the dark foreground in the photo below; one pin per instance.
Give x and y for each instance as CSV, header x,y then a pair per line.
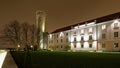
x,y
41,59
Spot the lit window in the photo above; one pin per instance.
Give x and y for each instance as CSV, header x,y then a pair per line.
x,y
115,34
90,30
90,45
82,31
50,36
116,45
103,36
61,34
103,45
103,27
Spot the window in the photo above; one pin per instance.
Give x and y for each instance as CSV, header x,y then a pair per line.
x,y
74,38
57,41
103,45
90,30
82,45
90,45
115,34
66,39
74,33
57,35
61,40
82,38
103,36
82,31
90,37
103,27
115,45
66,34
61,35
61,46
74,46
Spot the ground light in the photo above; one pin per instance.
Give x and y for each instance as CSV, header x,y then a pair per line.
x,y
3,54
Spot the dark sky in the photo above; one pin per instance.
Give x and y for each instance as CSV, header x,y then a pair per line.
x,y
60,13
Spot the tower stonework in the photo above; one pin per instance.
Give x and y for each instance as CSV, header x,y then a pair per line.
x,y
40,24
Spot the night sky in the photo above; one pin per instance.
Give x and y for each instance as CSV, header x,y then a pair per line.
x,y
60,13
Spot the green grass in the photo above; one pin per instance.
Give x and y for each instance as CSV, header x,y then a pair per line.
x,y
42,59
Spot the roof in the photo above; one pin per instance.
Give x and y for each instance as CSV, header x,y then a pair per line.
x,y
98,20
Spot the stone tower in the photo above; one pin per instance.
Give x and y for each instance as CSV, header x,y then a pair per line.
x,y
40,24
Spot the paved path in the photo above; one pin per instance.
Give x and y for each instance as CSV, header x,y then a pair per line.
x,y
9,62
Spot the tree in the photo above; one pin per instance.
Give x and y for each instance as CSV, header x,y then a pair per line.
x,y
12,32
21,35
33,36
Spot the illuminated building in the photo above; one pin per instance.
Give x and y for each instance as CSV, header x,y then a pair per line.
x,y
40,24
100,34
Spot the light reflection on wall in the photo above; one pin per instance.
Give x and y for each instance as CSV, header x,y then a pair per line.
x,y
86,45
86,37
78,38
94,45
78,45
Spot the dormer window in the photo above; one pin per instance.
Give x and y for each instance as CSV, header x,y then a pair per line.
x,y
116,24
61,35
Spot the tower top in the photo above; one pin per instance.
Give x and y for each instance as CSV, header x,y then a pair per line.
x,y
40,13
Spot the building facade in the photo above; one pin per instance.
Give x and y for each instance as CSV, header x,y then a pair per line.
x,y
100,34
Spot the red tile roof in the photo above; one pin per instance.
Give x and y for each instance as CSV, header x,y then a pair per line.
x,y
98,20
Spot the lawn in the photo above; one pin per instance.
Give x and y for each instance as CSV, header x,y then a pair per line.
x,y
47,59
